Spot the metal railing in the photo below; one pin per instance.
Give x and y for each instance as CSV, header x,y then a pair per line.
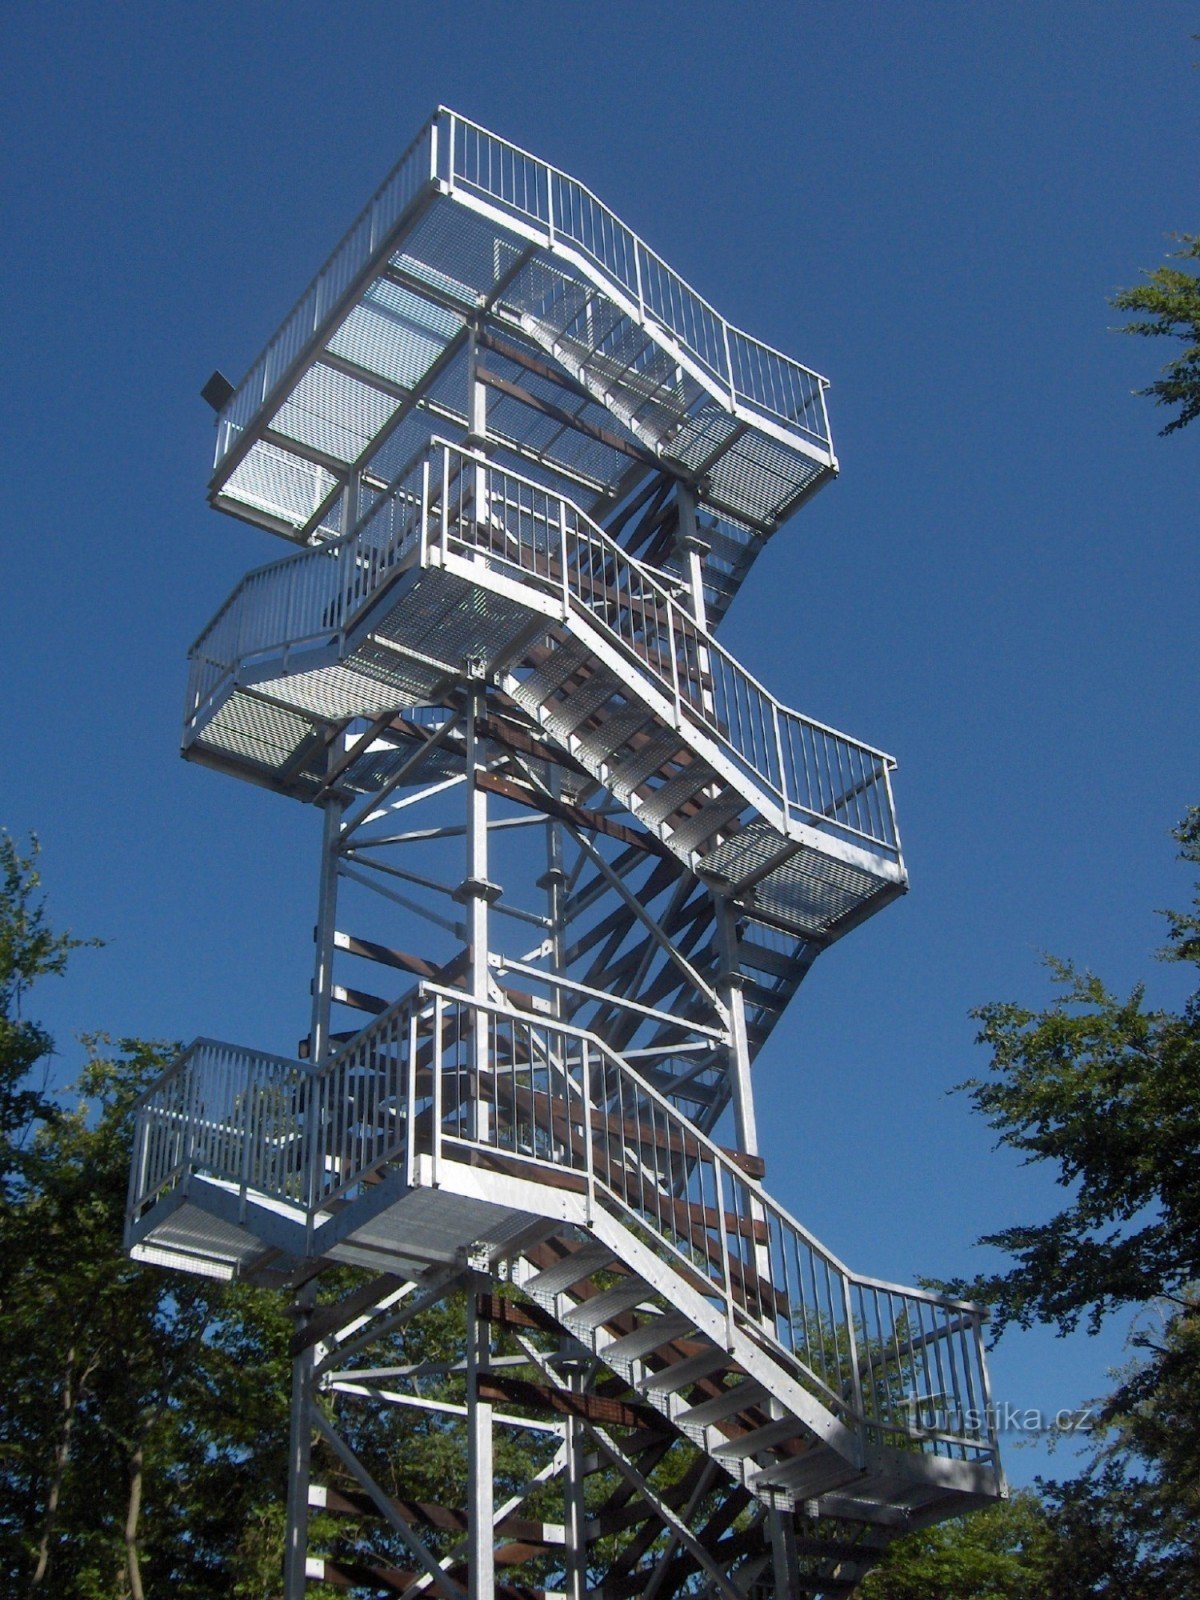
x,y
748,371
321,302
463,155
812,772
450,1078
309,597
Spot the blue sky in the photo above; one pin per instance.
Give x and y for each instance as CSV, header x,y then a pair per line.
x,y
928,203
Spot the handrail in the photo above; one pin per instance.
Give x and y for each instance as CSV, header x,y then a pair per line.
x,y
367,234
310,595
814,773
748,370
463,154
904,1363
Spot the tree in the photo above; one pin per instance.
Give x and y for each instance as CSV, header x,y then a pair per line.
x,y
1002,1553
1107,1092
29,950
1169,303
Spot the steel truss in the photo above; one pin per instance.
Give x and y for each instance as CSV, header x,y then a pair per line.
x,y
575,862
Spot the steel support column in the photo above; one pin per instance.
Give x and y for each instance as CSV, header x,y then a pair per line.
x,y
295,1554
481,1539
322,983
730,989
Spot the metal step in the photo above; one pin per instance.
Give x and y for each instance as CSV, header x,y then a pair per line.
x,y
698,829
726,1404
631,773
683,1374
564,716
609,1303
633,1346
814,1473
571,1269
599,744
764,1438
673,795
534,690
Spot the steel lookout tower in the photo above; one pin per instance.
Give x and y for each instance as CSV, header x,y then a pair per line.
x,y
575,861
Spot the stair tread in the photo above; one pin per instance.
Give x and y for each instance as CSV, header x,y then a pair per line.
x,y
726,1404
541,683
682,1374
764,1438
632,1346
673,795
696,830
567,714
809,1475
580,1264
608,1303
631,773
598,744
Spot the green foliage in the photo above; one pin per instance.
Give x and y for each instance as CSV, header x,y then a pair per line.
x,y
29,950
1168,304
1108,1093
1003,1553
142,1416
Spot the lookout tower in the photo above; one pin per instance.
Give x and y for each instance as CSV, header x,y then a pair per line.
x,y
575,860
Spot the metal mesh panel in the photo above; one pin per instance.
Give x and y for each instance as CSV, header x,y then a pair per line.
x,y
255,731
759,478
702,435
276,481
456,252
333,413
395,333
337,692
813,891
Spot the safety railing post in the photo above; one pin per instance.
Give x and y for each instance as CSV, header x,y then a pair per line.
x,y
783,783
436,1068
674,662
726,1264
423,515
244,1183
728,363
588,1153
852,1349
893,836
445,516
409,1109
562,556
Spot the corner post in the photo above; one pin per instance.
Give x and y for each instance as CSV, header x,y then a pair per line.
x,y
481,1536
295,1553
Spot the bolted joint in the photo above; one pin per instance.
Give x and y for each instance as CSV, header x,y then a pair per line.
x,y
476,889
694,545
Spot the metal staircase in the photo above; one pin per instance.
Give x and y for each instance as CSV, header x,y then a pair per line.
x,y
465,561
530,468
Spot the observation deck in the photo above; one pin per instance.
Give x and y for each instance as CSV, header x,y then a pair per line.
x,y
606,368
528,468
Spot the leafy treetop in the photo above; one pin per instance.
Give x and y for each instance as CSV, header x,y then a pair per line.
x,y
1169,303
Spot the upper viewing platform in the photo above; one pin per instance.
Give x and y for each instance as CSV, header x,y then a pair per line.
x,y
607,375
